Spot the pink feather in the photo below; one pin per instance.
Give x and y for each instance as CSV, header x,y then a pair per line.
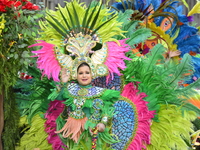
x,y
46,61
116,57
54,110
143,133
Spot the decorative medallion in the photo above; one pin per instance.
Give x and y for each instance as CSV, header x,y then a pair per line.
x,y
83,92
78,112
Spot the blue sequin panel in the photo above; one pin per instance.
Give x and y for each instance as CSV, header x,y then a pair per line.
x,y
123,124
73,89
114,84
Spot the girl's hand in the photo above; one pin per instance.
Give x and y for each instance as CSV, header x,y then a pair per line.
x,y
65,75
101,127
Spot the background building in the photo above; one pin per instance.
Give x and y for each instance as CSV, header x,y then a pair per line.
x,y
51,4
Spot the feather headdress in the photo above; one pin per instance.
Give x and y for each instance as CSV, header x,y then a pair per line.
x,y
76,34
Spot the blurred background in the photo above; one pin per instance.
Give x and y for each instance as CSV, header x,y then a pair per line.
x,y
51,4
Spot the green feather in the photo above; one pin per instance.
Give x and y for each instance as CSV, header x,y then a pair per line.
x,y
71,19
95,18
124,16
85,16
189,90
188,106
139,36
123,4
154,55
182,68
76,18
102,25
59,24
56,28
65,20
90,17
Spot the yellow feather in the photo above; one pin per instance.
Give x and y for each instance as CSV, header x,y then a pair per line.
x,y
167,40
168,132
195,9
35,137
112,27
185,3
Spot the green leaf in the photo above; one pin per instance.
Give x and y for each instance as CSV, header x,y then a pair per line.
x,y
35,17
22,46
29,17
16,56
34,34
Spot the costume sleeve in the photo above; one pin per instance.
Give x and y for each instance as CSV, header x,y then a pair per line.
x,y
109,98
56,94
60,92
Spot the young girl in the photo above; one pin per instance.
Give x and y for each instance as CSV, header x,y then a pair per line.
x,y
88,111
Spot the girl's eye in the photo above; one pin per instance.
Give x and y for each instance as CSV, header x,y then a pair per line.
x,y
87,72
80,73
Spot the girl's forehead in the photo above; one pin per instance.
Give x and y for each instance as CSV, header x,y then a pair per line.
x,y
84,68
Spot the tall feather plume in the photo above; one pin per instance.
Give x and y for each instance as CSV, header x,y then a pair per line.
x,y
46,60
73,20
116,57
58,26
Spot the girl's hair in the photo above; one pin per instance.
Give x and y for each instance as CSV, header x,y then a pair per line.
x,y
83,64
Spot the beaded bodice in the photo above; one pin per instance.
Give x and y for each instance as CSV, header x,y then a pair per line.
x,y
80,95
87,92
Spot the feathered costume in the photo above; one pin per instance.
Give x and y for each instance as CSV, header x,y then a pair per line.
x,y
139,99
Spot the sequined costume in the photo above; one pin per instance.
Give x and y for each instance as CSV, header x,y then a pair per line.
x,y
66,44
95,104
138,98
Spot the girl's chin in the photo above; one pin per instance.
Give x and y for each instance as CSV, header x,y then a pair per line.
x,y
84,84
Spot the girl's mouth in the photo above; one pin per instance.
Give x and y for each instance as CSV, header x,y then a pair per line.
x,y
84,79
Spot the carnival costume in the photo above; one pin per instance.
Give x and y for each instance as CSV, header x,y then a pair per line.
x,y
137,98
69,122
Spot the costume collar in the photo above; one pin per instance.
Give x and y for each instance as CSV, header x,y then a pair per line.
x,y
85,86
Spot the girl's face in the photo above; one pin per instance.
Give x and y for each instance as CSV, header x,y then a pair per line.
x,y
84,75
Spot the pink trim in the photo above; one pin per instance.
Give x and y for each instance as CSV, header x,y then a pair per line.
x,y
54,110
46,61
143,133
116,57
